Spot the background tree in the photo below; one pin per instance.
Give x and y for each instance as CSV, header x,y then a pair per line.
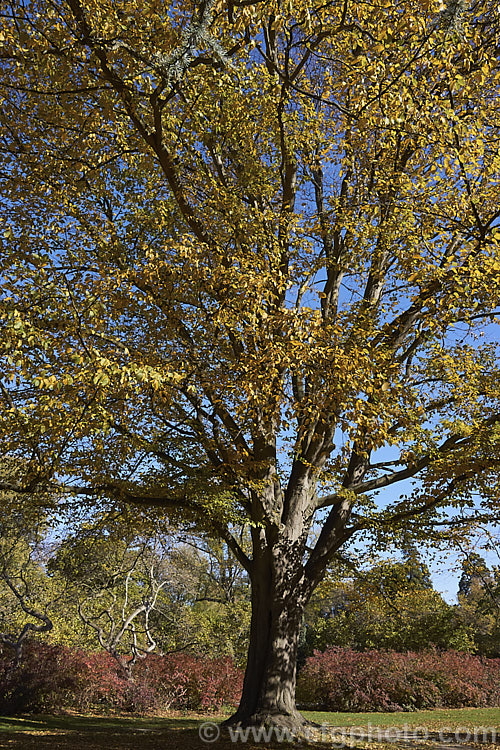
x,y
390,605
27,600
138,594
214,591
479,603
247,247
117,580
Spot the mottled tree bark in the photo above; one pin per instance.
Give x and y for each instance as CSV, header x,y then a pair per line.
x,y
279,594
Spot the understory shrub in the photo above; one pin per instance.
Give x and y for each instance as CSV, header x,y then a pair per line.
x,y
345,680
184,682
50,678
46,678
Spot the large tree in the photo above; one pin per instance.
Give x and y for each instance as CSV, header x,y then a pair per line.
x,y
250,249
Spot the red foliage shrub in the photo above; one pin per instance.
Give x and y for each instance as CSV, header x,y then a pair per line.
x,y
184,681
45,679
54,677
345,680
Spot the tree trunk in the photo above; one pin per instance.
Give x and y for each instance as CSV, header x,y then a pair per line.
x,y
279,595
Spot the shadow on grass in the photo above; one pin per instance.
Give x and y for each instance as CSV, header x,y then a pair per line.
x,y
99,733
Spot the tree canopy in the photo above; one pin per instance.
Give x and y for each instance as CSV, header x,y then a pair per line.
x,y
250,273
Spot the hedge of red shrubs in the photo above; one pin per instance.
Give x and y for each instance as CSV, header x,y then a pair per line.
x,y
51,678
55,677
345,680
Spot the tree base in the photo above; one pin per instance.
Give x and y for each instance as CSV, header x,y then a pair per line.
x,y
267,726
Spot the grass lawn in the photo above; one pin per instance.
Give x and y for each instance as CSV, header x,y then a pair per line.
x,y
181,733
435,720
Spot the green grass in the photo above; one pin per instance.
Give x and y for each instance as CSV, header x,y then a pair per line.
x,y
434,720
